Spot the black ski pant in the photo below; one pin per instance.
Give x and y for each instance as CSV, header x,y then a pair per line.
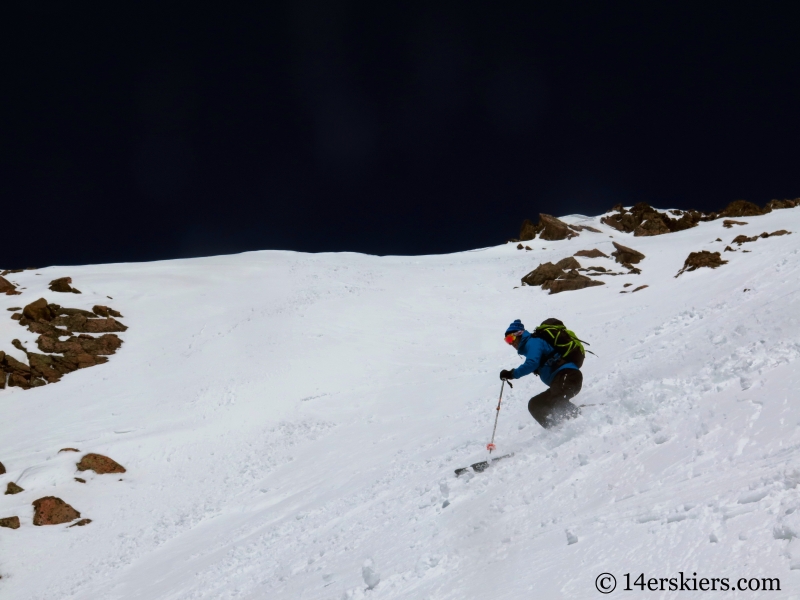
x,y
553,405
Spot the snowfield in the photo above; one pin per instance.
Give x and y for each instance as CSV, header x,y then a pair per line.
x,y
290,424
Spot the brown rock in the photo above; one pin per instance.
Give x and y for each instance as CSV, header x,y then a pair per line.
x,y
519,246
6,286
728,223
773,204
627,285
13,308
743,239
652,226
68,450
16,316
12,365
593,253
10,522
81,324
12,488
584,227
742,208
570,281
43,366
568,263
81,523
641,287
600,269
79,480
19,380
38,311
74,311
549,228
544,272
2,469
105,345
779,232
528,230
53,511
626,256
99,464
554,229
62,284
704,258
528,248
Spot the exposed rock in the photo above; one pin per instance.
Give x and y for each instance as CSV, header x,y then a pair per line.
x,y
79,480
549,228
779,232
584,227
6,286
38,311
81,324
19,380
74,311
62,284
654,225
544,272
593,253
53,511
627,285
641,287
519,246
99,464
528,248
743,239
601,269
68,450
2,469
43,366
12,365
742,208
81,523
569,282
643,219
104,345
16,316
625,255
773,204
10,522
12,488
728,223
568,263
704,258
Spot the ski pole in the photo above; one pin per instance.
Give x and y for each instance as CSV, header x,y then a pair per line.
x,y
490,446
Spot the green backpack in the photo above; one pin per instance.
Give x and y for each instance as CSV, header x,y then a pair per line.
x,y
564,342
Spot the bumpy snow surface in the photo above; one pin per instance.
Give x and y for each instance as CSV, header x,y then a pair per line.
x,y
290,424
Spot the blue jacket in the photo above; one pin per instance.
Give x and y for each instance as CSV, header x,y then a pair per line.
x,y
537,351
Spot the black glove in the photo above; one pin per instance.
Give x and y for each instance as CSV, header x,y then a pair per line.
x,y
507,374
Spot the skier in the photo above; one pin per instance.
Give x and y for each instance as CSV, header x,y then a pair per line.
x,y
564,379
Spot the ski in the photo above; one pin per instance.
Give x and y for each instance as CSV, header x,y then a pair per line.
x,y
480,467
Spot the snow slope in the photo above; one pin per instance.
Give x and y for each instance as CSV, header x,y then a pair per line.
x,y
286,417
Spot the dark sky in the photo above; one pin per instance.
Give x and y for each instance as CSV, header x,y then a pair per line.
x,y
130,133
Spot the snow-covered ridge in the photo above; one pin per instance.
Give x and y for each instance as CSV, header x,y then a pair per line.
x,y
290,424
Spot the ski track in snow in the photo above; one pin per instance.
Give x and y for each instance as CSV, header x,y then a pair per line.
x,y
286,417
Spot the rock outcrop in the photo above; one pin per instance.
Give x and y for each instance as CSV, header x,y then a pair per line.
x,y
58,357
8,288
53,511
63,285
704,258
643,220
544,272
626,256
2,469
10,522
570,281
593,253
549,228
12,488
99,464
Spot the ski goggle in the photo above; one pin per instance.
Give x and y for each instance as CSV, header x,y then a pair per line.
x,y
511,337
